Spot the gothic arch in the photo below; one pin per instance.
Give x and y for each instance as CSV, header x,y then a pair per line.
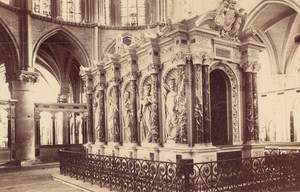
x,y
234,102
78,49
10,48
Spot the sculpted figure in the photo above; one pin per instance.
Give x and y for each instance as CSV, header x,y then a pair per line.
x,y
172,128
127,117
145,113
112,115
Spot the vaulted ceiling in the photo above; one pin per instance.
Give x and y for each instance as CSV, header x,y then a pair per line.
x,y
279,26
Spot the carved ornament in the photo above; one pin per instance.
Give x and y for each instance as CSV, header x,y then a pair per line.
x,y
229,20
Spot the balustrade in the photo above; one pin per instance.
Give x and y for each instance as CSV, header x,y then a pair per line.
x,y
60,123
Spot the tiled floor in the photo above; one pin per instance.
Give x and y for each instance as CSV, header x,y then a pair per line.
x,y
32,179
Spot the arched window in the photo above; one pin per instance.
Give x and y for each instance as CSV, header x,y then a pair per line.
x,y
133,12
42,7
71,10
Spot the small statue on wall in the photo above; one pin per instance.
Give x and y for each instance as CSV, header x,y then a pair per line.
x,y
145,114
127,117
229,20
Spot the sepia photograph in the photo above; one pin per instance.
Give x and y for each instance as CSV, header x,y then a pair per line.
x,y
149,95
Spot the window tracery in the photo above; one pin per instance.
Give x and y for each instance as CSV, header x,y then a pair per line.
x,y
42,7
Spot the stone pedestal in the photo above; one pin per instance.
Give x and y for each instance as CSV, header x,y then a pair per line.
x,y
253,150
22,90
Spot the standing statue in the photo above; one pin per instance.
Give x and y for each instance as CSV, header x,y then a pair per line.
x,y
171,98
145,114
113,113
127,117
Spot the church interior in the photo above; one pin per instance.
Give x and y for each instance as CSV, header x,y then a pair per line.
x,y
159,80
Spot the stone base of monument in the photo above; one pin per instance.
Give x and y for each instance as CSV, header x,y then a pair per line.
x,y
252,149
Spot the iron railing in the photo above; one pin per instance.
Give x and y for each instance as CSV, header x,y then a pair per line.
x,y
269,173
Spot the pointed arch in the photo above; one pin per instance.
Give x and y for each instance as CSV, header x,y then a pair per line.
x,y
79,51
11,48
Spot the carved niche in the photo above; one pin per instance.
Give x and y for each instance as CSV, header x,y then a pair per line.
x,y
175,106
148,110
234,97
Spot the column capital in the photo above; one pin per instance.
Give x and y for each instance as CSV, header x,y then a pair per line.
x,y
24,76
251,66
208,58
180,58
87,77
153,68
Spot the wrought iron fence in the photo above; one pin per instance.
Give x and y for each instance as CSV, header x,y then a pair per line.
x,y
269,173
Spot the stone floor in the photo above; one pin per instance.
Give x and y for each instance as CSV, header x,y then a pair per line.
x,y
40,178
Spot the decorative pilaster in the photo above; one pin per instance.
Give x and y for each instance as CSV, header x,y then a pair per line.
x,y
115,113
88,89
101,131
198,102
133,108
182,118
206,98
155,137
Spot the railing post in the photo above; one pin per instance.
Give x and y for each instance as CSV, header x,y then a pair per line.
x,y
185,168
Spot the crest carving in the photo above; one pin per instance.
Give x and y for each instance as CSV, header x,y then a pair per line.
x,y
229,20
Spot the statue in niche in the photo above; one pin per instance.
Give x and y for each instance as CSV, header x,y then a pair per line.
x,y
127,117
96,111
145,114
171,103
113,113
229,21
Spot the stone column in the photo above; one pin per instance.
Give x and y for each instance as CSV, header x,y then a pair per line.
x,y
255,107
90,116
12,129
249,136
133,108
198,103
88,89
206,101
22,89
53,129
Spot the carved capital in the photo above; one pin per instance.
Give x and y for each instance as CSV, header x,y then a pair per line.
x,y
251,66
153,68
24,76
207,58
180,58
